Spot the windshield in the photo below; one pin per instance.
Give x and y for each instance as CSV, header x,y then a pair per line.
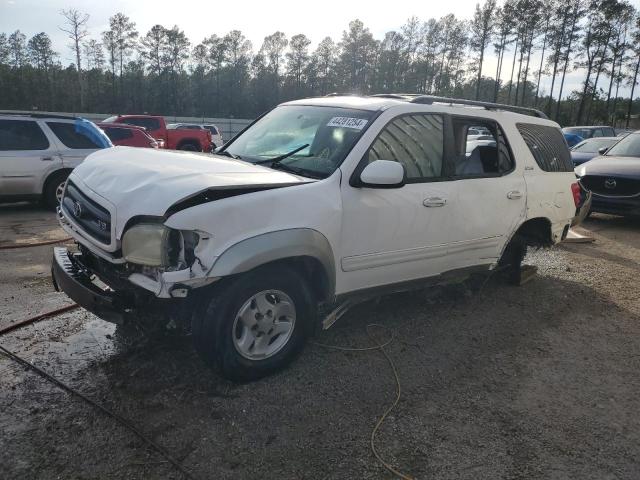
x,y
328,132
629,146
593,145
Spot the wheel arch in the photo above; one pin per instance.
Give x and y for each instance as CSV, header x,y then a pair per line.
x,y
189,141
51,176
304,249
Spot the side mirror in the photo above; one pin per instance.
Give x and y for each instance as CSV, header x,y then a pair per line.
x,y
602,150
383,174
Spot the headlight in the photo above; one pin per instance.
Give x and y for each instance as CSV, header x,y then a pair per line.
x,y
147,244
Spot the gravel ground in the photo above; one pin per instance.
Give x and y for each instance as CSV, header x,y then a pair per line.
x,y
539,381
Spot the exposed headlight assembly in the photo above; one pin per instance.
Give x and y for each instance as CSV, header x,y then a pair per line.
x,y
154,245
147,244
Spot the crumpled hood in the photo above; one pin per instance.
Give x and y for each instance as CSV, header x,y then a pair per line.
x,y
142,181
611,166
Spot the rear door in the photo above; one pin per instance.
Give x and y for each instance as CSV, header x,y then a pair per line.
x,y
27,156
489,196
73,147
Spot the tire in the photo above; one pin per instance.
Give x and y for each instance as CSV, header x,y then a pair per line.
x,y
53,189
221,332
191,147
512,258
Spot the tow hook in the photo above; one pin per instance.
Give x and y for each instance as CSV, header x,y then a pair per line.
x,y
179,291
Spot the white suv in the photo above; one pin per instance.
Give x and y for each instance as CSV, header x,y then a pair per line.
x,y
318,204
38,151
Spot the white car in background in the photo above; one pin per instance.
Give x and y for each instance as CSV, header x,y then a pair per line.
x,y
216,134
38,152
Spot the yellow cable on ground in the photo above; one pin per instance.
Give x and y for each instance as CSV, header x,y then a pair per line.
x,y
380,347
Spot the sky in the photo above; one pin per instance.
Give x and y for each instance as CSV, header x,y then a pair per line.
x,y
201,18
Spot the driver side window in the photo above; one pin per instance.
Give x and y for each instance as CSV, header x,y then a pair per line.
x,y
416,141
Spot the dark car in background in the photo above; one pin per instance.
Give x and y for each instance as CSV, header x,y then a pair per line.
x,y
590,148
614,178
571,139
128,135
590,131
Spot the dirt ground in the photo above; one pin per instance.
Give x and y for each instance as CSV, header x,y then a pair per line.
x,y
535,382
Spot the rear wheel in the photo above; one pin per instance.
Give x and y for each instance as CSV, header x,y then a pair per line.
x,y
256,324
512,258
53,190
191,147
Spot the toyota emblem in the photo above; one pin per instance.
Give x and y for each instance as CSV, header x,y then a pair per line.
x,y
77,209
610,183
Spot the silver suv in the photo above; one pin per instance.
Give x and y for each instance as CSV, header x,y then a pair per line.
x,y
37,153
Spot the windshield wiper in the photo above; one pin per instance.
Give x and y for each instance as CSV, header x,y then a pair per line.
x,y
229,154
279,158
298,171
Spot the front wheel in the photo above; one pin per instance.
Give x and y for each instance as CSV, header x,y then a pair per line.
x,y
255,325
54,189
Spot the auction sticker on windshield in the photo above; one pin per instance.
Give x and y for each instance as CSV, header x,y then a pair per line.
x,y
347,122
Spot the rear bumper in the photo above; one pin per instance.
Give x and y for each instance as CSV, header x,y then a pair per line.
x,y
582,211
69,276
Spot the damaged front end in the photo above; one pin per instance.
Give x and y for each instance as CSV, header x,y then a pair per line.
x,y
151,274
166,261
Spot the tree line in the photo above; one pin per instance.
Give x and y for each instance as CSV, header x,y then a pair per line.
x,y
161,71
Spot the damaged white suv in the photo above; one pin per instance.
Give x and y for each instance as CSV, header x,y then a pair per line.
x,y
315,205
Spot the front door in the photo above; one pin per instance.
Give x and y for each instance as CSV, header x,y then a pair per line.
x,y
392,235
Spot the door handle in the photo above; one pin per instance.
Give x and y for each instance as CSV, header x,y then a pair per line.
x,y
434,202
46,159
514,195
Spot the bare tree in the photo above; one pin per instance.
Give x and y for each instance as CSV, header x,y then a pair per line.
x,y
75,28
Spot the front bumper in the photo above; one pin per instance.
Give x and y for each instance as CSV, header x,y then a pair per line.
x,y
628,206
71,277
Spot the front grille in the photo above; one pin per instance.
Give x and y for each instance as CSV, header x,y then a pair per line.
x,y
93,218
611,186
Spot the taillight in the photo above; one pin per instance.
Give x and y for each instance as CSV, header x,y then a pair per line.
x,y
577,194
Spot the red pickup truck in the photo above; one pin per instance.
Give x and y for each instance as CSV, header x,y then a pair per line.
x,y
196,140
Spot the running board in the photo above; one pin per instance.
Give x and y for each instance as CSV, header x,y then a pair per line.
x,y
334,315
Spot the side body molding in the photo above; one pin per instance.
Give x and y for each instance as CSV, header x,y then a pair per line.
x,y
268,247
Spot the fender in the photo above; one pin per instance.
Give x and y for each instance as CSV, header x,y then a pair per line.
x,y
268,247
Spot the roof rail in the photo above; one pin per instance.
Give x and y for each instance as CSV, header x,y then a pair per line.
x,y
398,96
430,99
38,115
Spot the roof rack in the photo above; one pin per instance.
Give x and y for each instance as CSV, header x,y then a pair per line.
x,y
430,99
39,115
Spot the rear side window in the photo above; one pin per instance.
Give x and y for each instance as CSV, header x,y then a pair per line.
x,y
485,155
117,134
548,147
22,135
148,123
66,133
212,129
416,141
